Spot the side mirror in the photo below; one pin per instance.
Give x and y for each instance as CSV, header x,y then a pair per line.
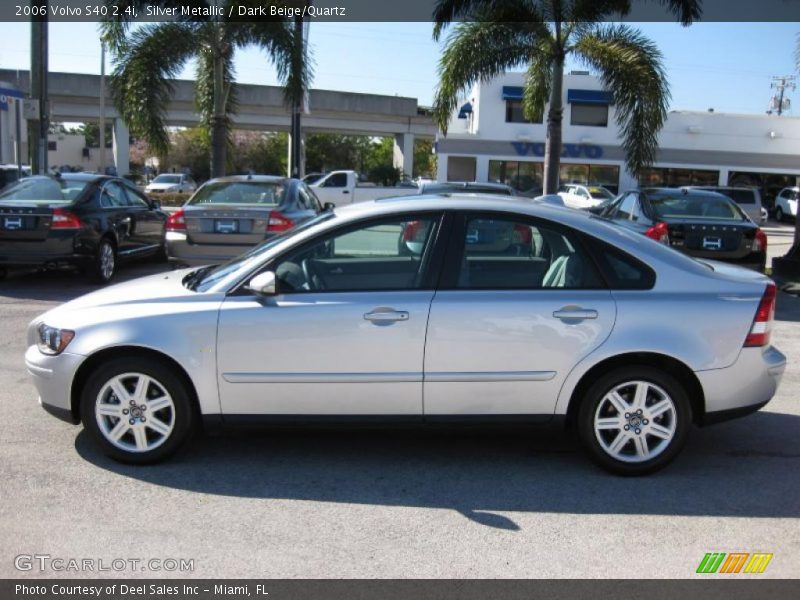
x,y
328,206
263,284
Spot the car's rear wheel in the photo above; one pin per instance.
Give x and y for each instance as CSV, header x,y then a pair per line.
x,y
779,216
634,421
105,262
137,410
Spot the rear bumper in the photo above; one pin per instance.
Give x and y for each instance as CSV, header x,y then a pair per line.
x,y
745,386
66,250
181,251
52,377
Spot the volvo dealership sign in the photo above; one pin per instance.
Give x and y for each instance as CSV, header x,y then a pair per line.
x,y
567,150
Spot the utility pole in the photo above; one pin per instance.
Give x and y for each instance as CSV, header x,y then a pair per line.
x,y
38,128
781,83
102,135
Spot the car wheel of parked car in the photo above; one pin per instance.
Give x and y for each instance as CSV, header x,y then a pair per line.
x,y
779,214
105,262
634,420
137,410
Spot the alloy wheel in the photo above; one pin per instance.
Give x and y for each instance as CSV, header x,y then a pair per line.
x,y
635,421
106,261
135,412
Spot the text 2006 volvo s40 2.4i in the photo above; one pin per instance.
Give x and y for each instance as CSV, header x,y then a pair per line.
x,y
432,309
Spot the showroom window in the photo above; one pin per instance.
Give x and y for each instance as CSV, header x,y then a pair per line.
x,y
589,114
524,176
606,176
656,177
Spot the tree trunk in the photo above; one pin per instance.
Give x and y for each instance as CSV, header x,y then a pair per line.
x,y
218,122
552,148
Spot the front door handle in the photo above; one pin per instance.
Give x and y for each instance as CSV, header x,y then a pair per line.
x,y
386,315
575,313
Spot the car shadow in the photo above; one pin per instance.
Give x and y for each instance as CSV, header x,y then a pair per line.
x,y
62,285
743,468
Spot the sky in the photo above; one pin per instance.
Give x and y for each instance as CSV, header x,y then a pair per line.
x,y
725,66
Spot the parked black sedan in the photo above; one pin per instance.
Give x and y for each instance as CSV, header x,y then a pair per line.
x,y
699,223
85,220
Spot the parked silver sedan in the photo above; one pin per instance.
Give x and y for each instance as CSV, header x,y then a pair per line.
x,y
230,215
496,310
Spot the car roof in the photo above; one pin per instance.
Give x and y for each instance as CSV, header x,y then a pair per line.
x,y
687,191
466,184
254,178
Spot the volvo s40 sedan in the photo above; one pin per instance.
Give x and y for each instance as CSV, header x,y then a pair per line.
x,y
495,310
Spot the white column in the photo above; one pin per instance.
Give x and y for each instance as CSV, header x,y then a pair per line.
x,y
482,168
404,153
441,167
723,177
121,147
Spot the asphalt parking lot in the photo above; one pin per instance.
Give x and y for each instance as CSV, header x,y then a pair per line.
x,y
396,503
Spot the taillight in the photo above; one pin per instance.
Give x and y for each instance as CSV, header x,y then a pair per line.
x,y
659,232
522,235
760,243
177,221
63,219
278,223
414,231
762,323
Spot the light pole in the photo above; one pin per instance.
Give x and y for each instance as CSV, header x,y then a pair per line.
x,y
38,128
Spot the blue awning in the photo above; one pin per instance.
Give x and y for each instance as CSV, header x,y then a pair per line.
x,y
589,97
464,111
512,92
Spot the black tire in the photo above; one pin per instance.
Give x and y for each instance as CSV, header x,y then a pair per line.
x,y
181,415
779,216
680,416
99,271
3,273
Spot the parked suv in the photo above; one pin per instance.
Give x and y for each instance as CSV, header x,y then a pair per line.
x,y
748,199
786,203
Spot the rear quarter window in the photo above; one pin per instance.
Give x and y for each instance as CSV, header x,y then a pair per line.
x,y
621,270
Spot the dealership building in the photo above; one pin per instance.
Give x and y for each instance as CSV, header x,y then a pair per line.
x,y
490,140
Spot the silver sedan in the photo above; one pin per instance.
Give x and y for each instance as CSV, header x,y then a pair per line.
x,y
422,310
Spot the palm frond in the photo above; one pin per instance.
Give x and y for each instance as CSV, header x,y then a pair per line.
x,y
479,51
538,83
687,11
509,11
630,67
292,61
141,84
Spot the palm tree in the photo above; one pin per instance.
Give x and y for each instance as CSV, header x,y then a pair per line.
x,y
493,36
150,56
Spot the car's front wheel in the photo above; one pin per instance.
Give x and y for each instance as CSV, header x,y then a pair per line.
x,y
137,410
635,420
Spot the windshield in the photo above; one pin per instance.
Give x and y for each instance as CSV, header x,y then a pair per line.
x,y
43,190
205,278
312,178
167,179
685,206
600,193
260,193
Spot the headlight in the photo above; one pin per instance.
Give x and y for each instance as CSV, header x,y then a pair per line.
x,y
52,341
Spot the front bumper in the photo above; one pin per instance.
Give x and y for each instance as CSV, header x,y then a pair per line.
x,y
53,377
745,386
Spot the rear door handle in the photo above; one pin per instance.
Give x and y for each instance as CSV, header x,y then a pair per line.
x,y
575,313
379,315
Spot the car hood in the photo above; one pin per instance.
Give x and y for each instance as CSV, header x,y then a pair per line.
x,y
152,296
